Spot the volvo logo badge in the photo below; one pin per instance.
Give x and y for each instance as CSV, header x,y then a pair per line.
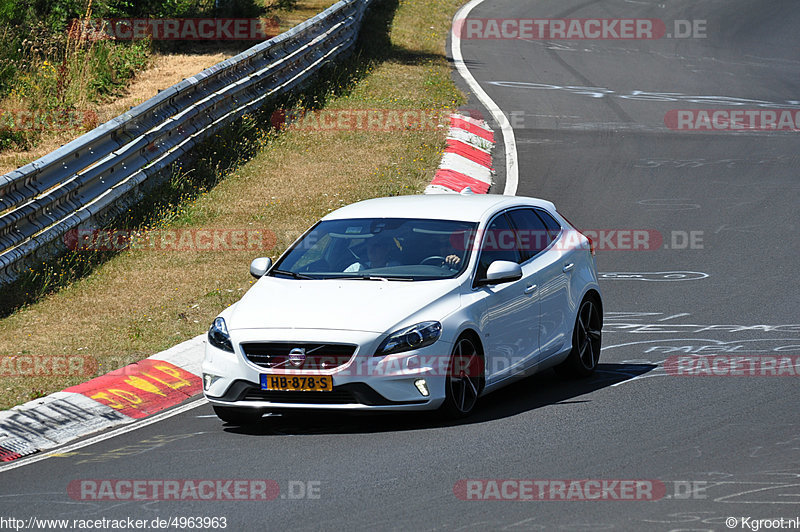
x,y
297,356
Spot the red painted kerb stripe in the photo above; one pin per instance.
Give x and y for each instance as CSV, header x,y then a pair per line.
x,y
458,181
459,123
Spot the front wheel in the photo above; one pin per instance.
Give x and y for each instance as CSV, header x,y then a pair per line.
x,y
238,416
464,379
586,341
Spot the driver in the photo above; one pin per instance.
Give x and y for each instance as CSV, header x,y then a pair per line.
x,y
451,260
378,250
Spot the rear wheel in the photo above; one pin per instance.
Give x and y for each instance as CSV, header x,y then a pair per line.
x,y
586,342
464,379
238,416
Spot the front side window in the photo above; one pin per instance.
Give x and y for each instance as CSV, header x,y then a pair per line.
x,y
499,243
386,248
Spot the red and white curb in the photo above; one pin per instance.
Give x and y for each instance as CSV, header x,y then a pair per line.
x,y
119,397
467,160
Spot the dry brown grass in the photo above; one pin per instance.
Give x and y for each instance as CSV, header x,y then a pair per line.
x,y
304,10
163,71
141,302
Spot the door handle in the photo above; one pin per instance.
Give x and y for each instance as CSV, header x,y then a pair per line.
x,y
568,267
531,289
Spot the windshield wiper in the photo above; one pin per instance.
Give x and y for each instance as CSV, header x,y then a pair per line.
x,y
372,278
293,275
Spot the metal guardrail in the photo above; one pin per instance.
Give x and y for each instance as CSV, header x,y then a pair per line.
x,y
96,176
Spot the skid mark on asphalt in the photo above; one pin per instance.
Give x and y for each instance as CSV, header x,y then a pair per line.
x,y
141,447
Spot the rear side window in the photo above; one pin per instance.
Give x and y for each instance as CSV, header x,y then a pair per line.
x,y
499,243
531,232
553,227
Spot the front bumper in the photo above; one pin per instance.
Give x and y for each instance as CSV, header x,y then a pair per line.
x,y
351,396
365,383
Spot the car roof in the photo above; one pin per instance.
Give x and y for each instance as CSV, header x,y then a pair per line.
x,y
461,207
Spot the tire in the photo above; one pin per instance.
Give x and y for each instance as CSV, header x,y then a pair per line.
x,y
464,379
238,416
586,342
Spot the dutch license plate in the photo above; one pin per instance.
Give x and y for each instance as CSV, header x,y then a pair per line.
x,y
297,383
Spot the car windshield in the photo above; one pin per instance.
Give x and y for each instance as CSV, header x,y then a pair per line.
x,y
398,249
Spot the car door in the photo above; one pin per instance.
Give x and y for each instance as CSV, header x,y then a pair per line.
x,y
533,238
507,307
554,267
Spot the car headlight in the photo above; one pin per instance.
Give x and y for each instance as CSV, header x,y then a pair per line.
x,y
218,335
414,337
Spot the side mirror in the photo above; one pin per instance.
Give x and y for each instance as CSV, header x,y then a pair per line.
x,y
260,266
502,271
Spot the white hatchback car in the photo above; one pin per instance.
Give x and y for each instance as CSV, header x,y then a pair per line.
x,y
408,303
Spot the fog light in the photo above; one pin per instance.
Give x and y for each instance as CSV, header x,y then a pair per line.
x,y
209,380
422,386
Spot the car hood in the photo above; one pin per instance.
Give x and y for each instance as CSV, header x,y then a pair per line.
x,y
373,306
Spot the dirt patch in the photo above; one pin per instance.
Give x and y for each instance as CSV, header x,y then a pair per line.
x,y
164,71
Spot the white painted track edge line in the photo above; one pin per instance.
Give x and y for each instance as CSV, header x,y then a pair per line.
x,y
509,141
135,424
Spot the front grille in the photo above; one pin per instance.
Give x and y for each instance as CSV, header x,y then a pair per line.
x,y
335,397
318,356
